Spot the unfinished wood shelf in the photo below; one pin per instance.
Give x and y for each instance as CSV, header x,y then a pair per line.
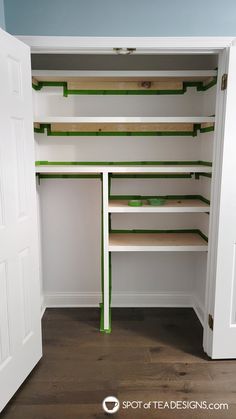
x,y
109,82
171,205
123,126
157,242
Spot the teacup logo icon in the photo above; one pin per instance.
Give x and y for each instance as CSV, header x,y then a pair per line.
x,y
111,404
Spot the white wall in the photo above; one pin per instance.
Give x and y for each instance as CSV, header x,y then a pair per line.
x,y
71,209
2,15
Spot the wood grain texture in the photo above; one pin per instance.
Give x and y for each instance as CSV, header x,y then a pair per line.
x,y
124,85
156,239
152,354
122,127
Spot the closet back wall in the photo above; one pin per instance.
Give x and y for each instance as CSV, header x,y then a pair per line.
x,y
121,18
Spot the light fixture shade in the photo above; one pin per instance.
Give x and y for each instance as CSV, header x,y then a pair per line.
x,y
124,51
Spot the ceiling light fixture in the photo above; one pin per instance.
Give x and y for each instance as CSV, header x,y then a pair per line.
x,y
124,51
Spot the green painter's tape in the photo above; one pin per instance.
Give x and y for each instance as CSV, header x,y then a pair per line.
x,y
109,185
110,281
109,221
102,320
198,175
203,235
102,265
206,129
102,275
200,86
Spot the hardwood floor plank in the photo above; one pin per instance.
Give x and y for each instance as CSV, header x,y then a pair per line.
x,y
150,354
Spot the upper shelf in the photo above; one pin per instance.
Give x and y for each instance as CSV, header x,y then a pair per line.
x,y
124,82
123,120
82,126
146,167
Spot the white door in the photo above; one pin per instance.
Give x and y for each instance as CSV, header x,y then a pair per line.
x,y
20,330
220,342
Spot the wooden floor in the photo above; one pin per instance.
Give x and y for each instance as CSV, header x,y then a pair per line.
x,y
151,354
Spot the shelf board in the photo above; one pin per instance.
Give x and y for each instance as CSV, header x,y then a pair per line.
x,y
171,205
123,120
124,82
60,75
82,126
103,167
157,242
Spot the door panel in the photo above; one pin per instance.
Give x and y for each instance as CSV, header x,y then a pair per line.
x,y
221,341
20,323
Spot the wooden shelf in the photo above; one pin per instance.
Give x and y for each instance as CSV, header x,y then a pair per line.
x,y
124,82
129,75
48,167
93,120
156,242
123,125
171,205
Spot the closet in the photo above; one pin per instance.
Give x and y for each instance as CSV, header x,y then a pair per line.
x,y
116,132
130,146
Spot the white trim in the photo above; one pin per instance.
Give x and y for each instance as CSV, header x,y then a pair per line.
x,y
124,209
161,209
43,309
215,202
154,299
106,303
92,299
125,74
43,306
122,169
122,119
179,248
199,309
72,299
144,45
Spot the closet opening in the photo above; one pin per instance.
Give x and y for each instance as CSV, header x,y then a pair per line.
x,y
125,149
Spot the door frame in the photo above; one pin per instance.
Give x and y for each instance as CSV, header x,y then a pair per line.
x,y
164,45
144,45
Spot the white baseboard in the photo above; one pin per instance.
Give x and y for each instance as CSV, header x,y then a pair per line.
x,y
72,299
199,309
92,299
43,306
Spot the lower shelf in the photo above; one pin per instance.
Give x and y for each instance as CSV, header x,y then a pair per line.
x,y
171,205
157,242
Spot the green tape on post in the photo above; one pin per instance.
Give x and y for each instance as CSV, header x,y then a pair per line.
x,y
102,267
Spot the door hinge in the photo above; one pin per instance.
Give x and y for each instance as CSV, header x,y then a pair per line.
x,y
224,80
210,321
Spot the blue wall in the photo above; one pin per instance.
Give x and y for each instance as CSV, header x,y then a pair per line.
x,y
121,17
2,16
